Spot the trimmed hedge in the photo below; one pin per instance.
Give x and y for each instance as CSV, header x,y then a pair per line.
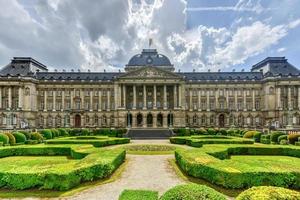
x,y
265,139
206,163
268,193
55,133
282,137
138,195
274,136
20,137
37,137
4,139
47,133
293,138
12,139
26,133
192,192
93,164
63,132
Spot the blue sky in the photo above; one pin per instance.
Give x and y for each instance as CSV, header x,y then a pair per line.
x,y
195,34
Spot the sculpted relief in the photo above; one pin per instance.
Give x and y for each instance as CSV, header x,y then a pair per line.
x,y
149,73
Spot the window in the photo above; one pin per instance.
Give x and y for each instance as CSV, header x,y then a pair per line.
x,y
271,90
67,120
212,120
221,105
96,120
203,104
87,119
257,104
27,91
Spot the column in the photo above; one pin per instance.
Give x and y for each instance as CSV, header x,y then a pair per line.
x,y
207,100
54,100
9,98
0,97
245,100
191,100
299,97
124,96
45,100
236,99
289,98
72,99
279,98
20,98
145,97
62,100
100,100
134,97
217,98
227,98
199,100
108,100
175,96
91,100
253,100
179,96
165,97
154,97
82,99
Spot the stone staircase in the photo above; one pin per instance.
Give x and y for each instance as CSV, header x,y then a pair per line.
x,y
149,133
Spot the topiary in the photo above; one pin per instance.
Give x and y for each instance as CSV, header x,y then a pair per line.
x,y
85,131
55,133
202,131
20,137
26,133
249,134
223,131
191,192
63,132
284,142
4,139
257,136
293,138
12,139
46,133
275,135
282,137
268,192
37,136
211,131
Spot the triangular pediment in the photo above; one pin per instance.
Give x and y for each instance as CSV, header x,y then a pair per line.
x,y
150,73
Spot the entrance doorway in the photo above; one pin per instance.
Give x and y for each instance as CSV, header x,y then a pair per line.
x,y
129,120
139,120
221,120
77,121
149,120
159,120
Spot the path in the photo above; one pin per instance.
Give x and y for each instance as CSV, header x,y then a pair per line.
x,y
151,172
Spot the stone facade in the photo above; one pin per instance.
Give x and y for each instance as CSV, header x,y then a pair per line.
x,y
149,94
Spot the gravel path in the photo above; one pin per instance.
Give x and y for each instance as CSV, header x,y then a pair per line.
x,y
151,172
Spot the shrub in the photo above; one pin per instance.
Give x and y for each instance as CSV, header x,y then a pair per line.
x,y
75,132
20,137
293,138
223,131
12,139
284,142
265,139
270,193
4,139
47,133
211,131
138,195
282,137
55,133
26,133
85,131
63,132
230,132
274,136
191,192
201,131
37,136
257,136
249,134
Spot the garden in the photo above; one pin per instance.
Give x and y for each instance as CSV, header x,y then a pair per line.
x,y
246,164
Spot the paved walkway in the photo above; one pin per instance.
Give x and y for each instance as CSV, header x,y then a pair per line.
x,y
151,172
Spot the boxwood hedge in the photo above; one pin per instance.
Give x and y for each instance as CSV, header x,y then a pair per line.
x,y
12,139
206,163
138,195
92,164
268,193
4,139
20,137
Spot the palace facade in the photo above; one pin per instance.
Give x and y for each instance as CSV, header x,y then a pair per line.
x,y
149,94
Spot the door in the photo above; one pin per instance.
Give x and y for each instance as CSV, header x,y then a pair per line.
x,y
221,120
77,121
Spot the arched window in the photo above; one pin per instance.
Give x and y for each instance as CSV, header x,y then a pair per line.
x,y
41,120
14,119
27,91
104,120
195,119
50,121
96,120
112,120
58,121
271,90
67,120
87,119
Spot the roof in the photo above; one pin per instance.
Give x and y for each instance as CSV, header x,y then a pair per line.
x,y
149,57
96,76
222,75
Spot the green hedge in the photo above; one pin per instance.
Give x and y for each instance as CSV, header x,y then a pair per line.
x,y
274,136
282,137
4,139
93,164
47,134
94,142
26,133
192,192
268,193
12,139
293,138
20,137
205,163
138,195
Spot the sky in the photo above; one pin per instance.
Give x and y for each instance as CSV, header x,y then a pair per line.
x,y
198,35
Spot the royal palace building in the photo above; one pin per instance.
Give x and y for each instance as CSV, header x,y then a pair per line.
x,y
149,94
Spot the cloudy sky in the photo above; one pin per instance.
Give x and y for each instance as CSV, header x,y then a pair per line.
x,y
194,34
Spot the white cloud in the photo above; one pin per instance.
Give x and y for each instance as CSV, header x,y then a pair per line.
x,y
281,50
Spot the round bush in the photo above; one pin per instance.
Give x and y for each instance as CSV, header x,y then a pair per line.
x,y
55,133
249,134
268,192
211,131
275,135
282,137
47,133
26,133
37,136
20,137
293,138
63,132
4,139
192,192
223,131
12,139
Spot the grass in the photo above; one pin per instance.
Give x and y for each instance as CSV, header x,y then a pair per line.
x,y
6,193
138,195
150,149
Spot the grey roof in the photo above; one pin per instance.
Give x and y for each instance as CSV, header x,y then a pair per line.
x,y
194,76
149,57
96,76
16,70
